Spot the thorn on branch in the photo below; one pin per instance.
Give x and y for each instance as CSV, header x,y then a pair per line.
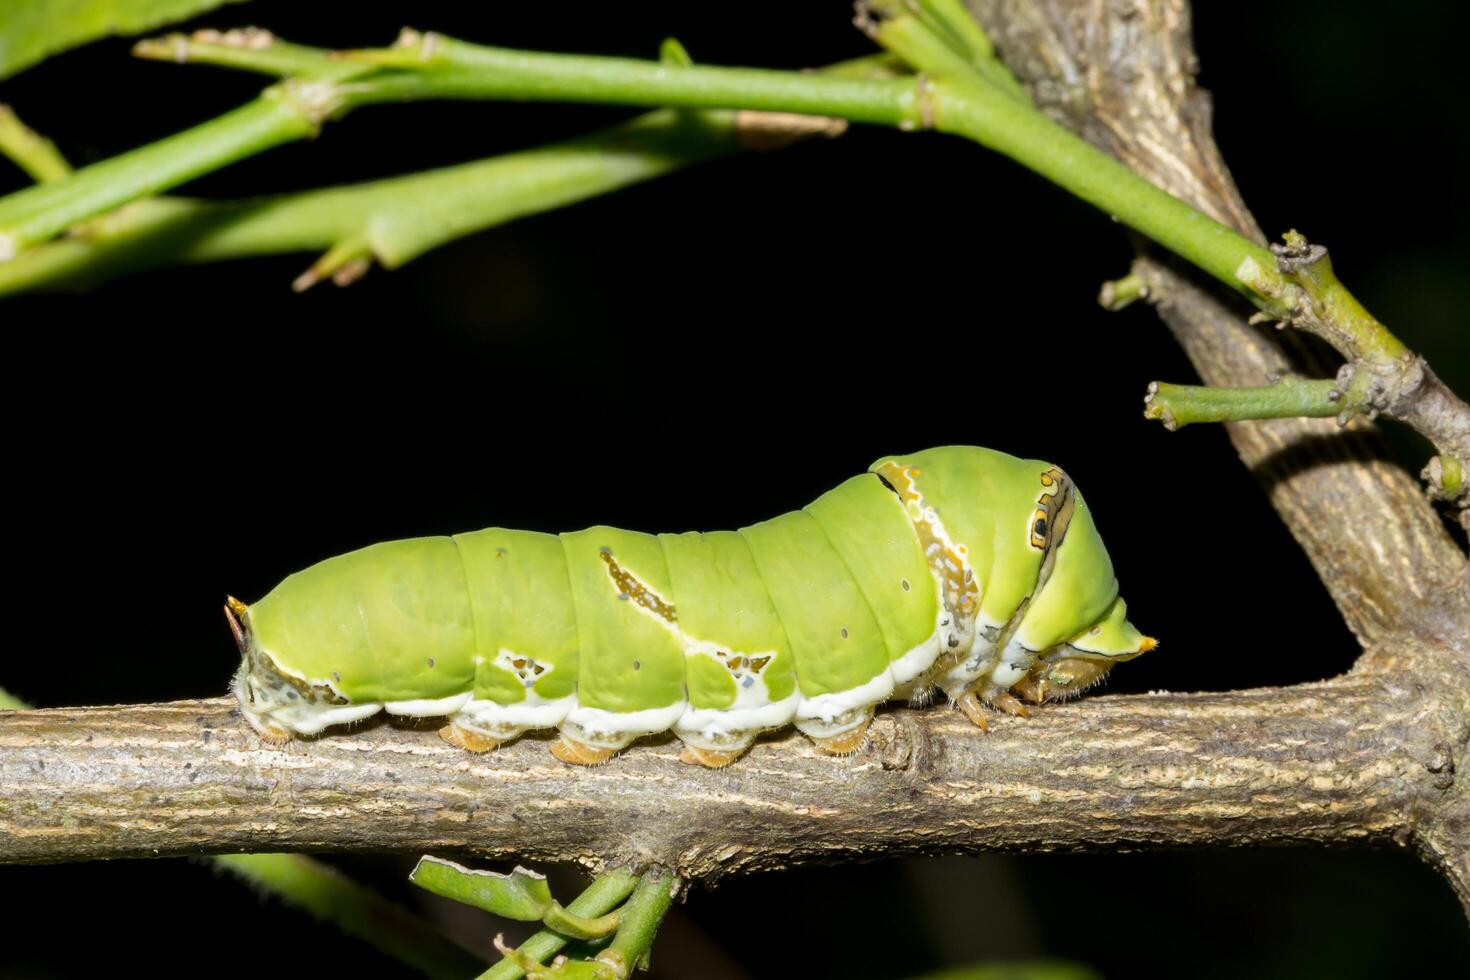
x,y
673,52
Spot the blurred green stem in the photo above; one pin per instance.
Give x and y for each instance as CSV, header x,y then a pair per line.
x,y
331,896
29,150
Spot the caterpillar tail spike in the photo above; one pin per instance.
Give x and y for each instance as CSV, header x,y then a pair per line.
x,y
957,569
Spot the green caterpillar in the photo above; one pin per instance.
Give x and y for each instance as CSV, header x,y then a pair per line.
x,y
958,568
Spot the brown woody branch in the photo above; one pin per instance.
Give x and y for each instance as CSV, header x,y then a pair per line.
x,y
1358,760
1373,757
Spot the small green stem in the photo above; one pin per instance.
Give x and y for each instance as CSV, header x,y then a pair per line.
x,y
605,893
1030,138
430,66
9,702
1325,306
961,24
642,916
397,219
250,49
440,67
579,927
1121,293
1180,405
940,38
950,103
29,150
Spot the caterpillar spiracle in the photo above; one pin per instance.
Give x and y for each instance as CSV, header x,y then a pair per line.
x,y
957,568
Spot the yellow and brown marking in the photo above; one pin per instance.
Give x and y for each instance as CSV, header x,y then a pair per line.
x,y
740,664
526,669
1055,506
637,592
948,560
1051,485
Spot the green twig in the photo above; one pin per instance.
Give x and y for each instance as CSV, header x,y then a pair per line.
x,y
939,37
606,893
1120,293
397,219
29,150
642,916
9,702
521,895
1180,405
285,113
1294,283
248,49
950,103
431,66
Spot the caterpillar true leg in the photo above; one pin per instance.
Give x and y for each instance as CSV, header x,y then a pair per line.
x,y
974,709
1010,704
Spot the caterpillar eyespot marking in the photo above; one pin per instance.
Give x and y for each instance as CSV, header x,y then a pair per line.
x,y
609,635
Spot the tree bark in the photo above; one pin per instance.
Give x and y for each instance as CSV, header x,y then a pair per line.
x,y
1368,758
1359,759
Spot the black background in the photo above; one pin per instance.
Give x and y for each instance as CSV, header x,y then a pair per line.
x,y
707,351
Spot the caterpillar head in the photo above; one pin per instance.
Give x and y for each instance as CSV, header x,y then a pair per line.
x,y
1072,667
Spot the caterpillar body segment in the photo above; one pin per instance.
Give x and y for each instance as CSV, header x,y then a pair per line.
x,y
958,568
